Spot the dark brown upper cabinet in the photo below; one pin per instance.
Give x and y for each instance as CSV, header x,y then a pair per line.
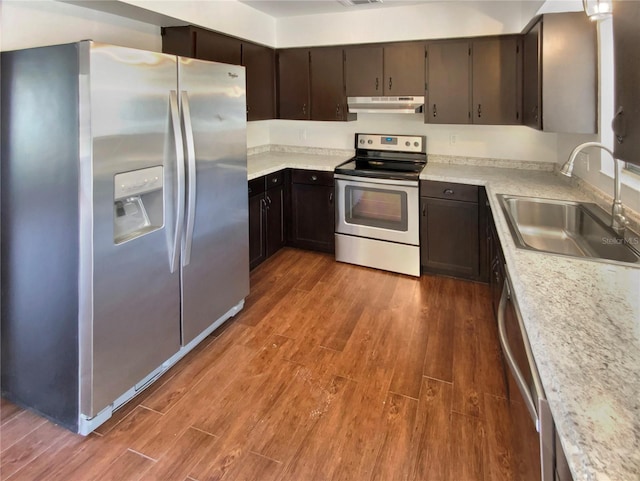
x,y
196,42
294,84
532,78
626,42
561,74
404,68
496,80
328,99
259,62
395,69
448,98
217,47
363,71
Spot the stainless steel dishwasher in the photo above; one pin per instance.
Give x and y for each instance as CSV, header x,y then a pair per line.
x,y
527,398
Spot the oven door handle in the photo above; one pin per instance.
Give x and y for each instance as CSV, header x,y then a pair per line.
x,y
377,180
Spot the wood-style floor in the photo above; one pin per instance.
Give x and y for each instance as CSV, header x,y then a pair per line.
x,y
331,372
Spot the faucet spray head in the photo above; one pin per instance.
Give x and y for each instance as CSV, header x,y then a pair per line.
x,y
567,168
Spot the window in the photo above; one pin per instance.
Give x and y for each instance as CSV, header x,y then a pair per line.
x,y
632,168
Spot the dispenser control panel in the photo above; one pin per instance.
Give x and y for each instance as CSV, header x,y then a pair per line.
x,y
136,182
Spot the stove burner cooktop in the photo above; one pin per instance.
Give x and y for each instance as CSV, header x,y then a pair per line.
x,y
398,157
381,168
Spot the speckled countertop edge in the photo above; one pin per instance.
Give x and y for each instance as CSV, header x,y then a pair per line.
x,y
582,317
261,161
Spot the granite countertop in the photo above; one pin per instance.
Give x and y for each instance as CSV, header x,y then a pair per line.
x,y
583,322
264,163
582,317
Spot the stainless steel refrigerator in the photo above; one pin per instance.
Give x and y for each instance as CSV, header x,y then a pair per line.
x,y
124,220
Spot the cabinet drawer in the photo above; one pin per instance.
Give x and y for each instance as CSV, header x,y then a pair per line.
x,y
447,190
256,186
275,179
314,177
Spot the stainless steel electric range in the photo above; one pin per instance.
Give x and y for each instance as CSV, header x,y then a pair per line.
x,y
377,203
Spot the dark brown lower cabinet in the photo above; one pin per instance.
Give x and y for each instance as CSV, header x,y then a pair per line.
x,y
257,244
312,210
266,217
449,229
274,207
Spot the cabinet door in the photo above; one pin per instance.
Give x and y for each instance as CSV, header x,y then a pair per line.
x,y
449,237
570,73
217,47
448,92
626,39
363,71
260,65
178,41
274,199
496,81
328,99
293,84
404,69
257,240
313,217
531,88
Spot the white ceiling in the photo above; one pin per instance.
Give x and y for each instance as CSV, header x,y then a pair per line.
x,y
296,8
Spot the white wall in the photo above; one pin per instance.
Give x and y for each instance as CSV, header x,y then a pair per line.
x,y
26,24
499,142
427,20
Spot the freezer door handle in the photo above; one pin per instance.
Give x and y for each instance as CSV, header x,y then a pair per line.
x,y
191,174
177,137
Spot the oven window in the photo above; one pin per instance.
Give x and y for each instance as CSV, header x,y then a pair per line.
x,y
372,207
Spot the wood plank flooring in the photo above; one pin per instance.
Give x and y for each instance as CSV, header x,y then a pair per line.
x,y
331,372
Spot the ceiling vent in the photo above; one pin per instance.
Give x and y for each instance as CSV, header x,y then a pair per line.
x,y
351,3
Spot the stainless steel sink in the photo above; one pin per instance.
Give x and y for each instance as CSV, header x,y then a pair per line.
x,y
577,229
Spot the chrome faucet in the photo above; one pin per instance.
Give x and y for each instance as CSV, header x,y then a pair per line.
x,y
618,220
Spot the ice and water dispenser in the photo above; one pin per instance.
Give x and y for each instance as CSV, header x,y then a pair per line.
x,y
138,206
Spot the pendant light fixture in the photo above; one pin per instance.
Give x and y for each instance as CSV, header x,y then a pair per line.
x,y
597,9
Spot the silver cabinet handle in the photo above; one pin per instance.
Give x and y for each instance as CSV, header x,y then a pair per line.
x,y
448,192
177,138
330,197
274,180
314,177
191,183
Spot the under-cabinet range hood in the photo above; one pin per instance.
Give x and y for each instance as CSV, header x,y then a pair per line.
x,y
386,105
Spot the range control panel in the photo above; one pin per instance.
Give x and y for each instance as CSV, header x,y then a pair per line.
x,y
395,143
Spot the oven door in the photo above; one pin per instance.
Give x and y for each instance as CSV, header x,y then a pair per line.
x,y
380,209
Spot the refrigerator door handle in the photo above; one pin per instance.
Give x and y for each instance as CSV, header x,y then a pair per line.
x,y
191,185
177,137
